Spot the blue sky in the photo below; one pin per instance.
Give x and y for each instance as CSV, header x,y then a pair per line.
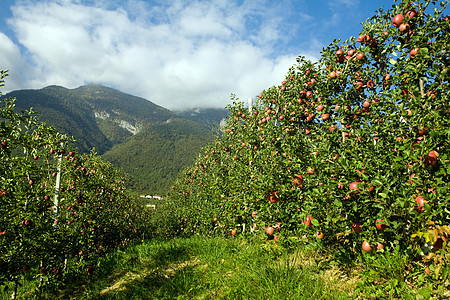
x,y
175,53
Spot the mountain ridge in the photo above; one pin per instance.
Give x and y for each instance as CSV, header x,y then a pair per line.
x,y
124,129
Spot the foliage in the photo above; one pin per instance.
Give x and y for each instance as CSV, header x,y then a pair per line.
x,y
354,147
40,232
154,157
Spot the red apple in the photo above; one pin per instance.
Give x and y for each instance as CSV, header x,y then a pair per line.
x,y
307,222
273,197
270,230
432,94
431,158
366,246
398,20
380,224
354,186
4,145
404,27
362,38
356,227
233,232
359,85
422,130
411,13
421,202
414,52
298,180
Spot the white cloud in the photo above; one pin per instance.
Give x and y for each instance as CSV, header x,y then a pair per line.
x,y
175,54
10,59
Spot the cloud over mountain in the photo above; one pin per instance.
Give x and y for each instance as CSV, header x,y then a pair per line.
x,y
174,53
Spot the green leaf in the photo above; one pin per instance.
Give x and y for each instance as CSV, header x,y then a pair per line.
x,y
392,61
425,292
315,222
337,202
377,182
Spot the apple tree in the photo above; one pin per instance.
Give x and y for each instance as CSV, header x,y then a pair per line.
x,y
350,150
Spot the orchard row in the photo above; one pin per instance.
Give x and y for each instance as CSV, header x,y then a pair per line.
x,y
39,232
351,151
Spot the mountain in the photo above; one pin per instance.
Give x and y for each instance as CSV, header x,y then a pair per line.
x,y
95,115
150,143
211,117
155,156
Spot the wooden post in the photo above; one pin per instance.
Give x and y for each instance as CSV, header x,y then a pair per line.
x,y
422,89
14,292
58,185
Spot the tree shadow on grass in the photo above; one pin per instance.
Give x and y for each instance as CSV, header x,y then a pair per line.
x,y
158,284
165,271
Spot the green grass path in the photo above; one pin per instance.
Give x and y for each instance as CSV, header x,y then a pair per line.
x,y
209,268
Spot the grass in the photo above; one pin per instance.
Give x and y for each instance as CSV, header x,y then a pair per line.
x,y
219,268
211,268
207,268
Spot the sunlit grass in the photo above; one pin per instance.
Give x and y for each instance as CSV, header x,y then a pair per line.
x,y
220,268
211,268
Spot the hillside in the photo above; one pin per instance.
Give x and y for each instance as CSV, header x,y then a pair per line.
x,y
57,106
155,156
95,115
149,142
